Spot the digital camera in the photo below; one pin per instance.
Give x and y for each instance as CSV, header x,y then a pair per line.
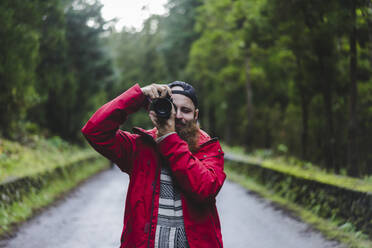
x,y
162,107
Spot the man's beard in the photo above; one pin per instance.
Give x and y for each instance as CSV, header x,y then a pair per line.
x,y
189,132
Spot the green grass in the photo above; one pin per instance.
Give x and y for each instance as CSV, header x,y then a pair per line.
x,y
332,229
29,205
36,155
302,170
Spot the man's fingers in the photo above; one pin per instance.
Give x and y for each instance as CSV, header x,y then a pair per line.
x,y
152,114
151,94
153,117
168,90
162,89
148,91
164,92
155,92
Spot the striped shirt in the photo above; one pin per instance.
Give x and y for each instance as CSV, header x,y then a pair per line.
x,y
170,230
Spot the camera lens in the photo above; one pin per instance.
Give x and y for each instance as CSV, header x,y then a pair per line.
x,y
162,107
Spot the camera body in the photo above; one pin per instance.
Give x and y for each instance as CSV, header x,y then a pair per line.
x,y
162,107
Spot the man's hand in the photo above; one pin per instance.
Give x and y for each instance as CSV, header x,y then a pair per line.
x,y
156,91
164,126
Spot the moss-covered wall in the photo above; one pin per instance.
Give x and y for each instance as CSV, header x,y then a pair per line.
x,y
326,200
13,190
22,197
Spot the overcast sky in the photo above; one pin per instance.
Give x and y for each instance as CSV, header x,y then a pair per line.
x,y
131,13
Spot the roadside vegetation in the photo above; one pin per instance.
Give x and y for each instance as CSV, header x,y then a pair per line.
x,y
36,154
31,204
333,228
33,157
280,161
267,72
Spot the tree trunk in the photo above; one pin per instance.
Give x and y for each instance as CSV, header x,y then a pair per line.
x,y
352,125
212,120
328,114
249,92
205,118
305,127
305,101
228,137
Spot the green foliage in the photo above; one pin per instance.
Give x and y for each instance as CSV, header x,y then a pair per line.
x,y
37,198
282,148
53,68
156,54
89,71
302,169
290,63
268,73
175,45
332,228
19,50
314,194
36,155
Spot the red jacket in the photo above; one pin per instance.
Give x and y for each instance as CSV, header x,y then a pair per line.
x,y
200,174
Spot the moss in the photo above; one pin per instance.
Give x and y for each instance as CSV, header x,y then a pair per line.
x,y
309,172
37,155
331,228
336,180
323,199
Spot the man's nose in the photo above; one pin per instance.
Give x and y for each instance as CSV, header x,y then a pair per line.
x,y
178,114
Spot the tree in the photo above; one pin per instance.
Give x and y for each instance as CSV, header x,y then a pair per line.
x,y
179,34
19,53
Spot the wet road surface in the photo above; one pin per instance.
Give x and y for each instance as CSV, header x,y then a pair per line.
x,y
91,216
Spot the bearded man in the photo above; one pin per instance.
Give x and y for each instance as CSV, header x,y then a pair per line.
x,y
175,169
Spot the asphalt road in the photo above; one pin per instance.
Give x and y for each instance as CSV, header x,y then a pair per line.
x,y
91,216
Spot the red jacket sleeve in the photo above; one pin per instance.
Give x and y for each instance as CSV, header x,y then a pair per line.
x,y
102,129
200,175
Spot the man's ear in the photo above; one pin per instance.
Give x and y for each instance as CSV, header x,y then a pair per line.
x,y
196,115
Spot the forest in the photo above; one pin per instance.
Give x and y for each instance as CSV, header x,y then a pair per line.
x,y
281,77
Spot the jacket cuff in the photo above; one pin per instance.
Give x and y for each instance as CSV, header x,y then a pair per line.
x,y
132,99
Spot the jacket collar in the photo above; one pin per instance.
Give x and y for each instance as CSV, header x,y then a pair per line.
x,y
151,135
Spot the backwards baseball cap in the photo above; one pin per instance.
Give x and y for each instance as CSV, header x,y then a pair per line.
x,y
188,91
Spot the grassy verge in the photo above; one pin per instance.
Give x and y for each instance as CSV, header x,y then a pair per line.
x,y
304,170
330,228
22,210
36,155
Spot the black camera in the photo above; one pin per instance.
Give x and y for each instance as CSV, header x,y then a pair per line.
x,y
162,107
